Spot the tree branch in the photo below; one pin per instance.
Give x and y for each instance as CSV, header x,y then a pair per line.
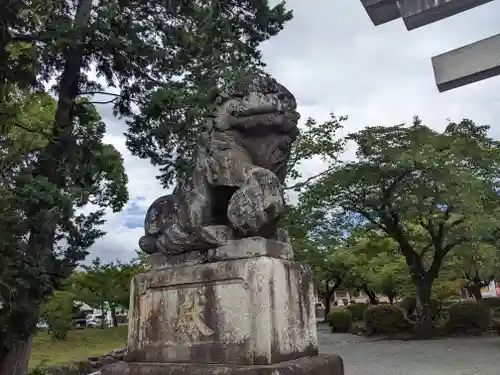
x,y
103,102
99,93
331,291
437,261
451,245
117,96
387,191
308,180
368,217
28,129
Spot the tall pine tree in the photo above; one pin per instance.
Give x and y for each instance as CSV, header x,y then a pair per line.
x,y
162,61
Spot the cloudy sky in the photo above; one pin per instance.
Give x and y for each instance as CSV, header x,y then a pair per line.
x,y
334,60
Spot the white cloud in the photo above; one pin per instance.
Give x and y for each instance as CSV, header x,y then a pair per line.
x,y
334,60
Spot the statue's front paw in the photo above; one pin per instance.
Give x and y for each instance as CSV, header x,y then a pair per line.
x,y
254,205
148,244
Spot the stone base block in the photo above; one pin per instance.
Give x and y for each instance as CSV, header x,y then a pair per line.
x,y
317,365
255,311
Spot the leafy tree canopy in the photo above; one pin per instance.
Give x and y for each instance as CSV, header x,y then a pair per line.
x,y
429,191
94,174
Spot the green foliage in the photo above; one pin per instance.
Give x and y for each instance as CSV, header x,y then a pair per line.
x,y
31,204
357,310
37,371
57,312
492,302
476,264
387,272
429,191
384,320
340,320
104,286
314,141
330,263
444,289
219,46
79,345
409,304
468,317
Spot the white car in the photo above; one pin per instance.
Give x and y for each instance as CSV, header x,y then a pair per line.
x,y
42,325
94,321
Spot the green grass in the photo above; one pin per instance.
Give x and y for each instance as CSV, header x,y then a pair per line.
x,y
79,345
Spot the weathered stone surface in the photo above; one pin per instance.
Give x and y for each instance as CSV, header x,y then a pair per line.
x,y
234,249
252,247
235,190
317,365
243,311
89,367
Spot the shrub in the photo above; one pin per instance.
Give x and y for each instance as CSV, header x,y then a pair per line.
x,y
37,371
495,325
409,305
58,314
340,320
384,319
357,310
492,302
468,317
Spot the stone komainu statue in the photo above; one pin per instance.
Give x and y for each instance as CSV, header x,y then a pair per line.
x,y
235,190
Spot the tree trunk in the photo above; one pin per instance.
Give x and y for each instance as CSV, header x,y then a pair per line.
x,y
371,295
113,316
423,313
326,301
475,291
327,296
14,361
103,320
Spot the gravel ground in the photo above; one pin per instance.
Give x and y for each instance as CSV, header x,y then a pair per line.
x,y
453,356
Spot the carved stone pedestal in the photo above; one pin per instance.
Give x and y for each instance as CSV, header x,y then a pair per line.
x,y
241,311
239,316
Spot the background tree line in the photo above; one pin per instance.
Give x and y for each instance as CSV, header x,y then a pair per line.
x,y
104,287
416,213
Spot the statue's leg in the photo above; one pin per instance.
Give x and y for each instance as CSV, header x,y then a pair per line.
x,y
259,200
167,227
257,204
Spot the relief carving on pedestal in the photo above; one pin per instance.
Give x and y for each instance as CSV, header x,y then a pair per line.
x,y
190,322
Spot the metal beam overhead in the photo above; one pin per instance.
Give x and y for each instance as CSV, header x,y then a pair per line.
x,y
418,13
381,11
467,64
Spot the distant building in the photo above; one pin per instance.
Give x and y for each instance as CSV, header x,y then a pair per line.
x,y
452,69
358,297
492,290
